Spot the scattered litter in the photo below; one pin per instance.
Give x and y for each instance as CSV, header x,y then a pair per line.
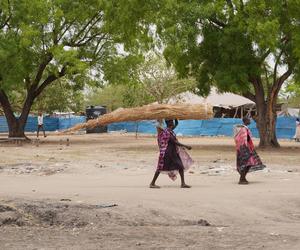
x,y
105,205
100,166
294,170
38,169
64,199
274,234
204,223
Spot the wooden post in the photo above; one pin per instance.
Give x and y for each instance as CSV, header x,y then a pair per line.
x,y
242,114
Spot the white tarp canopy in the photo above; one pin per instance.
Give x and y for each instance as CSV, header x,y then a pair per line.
x,y
224,100
289,112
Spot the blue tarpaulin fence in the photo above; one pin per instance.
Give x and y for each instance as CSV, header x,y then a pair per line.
x,y
50,123
285,126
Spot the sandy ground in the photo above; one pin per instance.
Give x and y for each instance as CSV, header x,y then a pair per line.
x,y
93,194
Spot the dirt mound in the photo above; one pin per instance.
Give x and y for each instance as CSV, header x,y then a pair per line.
x,y
80,215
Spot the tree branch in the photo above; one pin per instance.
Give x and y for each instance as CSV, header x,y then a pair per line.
x,y
82,42
90,23
249,95
217,23
267,77
265,55
229,2
242,4
41,69
258,87
5,23
275,67
66,29
99,46
49,80
4,101
278,84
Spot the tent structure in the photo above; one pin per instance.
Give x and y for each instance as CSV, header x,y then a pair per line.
x,y
289,112
224,104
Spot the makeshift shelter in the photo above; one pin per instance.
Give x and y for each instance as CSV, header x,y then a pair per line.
x,y
226,105
289,112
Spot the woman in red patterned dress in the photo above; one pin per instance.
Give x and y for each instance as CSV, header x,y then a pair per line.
x,y
247,158
172,156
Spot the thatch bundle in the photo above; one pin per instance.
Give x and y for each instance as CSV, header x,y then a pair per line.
x,y
150,112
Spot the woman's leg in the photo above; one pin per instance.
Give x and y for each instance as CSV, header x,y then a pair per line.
x,y
243,174
152,184
183,185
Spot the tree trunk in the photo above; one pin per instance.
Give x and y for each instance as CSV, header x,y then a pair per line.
x,y
16,128
266,116
16,125
266,125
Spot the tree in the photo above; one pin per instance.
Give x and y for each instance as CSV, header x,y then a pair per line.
x,y
111,96
152,81
61,97
291,95
247,47
42,41
160,80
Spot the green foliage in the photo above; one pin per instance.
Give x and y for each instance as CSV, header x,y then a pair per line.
x,y
42,41
160,80
291,95
227,43
152,81
110,96
116,96
60,97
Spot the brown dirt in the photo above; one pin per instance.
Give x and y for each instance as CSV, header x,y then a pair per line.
x,y
54,196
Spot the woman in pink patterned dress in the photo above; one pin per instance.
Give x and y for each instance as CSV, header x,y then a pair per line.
x,y
172,155
247,158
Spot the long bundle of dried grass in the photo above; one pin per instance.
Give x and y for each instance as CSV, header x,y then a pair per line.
x,y
150,112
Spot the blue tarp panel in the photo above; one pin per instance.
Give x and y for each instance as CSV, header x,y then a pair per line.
x,y
218,126
64,123
215,127
3,124
50,124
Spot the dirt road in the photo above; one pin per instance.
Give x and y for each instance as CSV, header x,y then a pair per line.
x,y
93,194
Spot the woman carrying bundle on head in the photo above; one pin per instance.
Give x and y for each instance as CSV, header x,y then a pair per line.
x,y
172,155
247,159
